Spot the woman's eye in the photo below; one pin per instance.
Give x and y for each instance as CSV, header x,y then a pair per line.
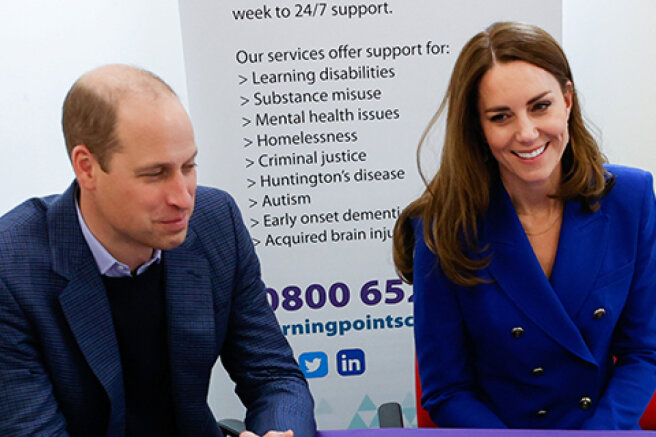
x,y
541,106
498,118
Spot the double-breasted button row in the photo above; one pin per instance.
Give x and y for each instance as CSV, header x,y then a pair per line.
x,y
599,313
585,403
517,332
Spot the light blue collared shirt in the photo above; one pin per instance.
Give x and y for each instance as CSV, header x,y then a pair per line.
x,y
107,264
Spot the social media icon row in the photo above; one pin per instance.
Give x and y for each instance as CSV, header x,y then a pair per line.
x,y
348,362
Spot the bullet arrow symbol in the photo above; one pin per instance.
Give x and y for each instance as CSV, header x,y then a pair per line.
x,y
256,241
251,182
253,202
246,122
254,223
247,142
242,79
249,162
244,100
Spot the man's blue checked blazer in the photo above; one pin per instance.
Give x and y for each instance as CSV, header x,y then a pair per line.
x,y
60,370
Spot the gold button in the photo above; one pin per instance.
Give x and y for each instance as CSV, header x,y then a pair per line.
x,y
517,331
599,313
585,403
541,413
537,371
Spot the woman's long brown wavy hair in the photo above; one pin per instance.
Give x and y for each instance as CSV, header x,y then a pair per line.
x,y
458,196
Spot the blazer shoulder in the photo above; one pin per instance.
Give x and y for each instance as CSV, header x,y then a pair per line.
x,y
24,240
631,185
628,177
30,211
212,206
26,223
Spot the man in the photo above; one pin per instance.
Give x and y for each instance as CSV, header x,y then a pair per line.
x,y
115,301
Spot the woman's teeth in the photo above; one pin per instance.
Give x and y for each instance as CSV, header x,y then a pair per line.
x,y
533,154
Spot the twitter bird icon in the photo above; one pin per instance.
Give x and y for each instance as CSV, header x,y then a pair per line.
x,y
313,364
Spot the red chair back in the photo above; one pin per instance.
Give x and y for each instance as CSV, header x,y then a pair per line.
x,y
423,419
648,420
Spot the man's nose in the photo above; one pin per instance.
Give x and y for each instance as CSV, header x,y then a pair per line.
x,y
180,190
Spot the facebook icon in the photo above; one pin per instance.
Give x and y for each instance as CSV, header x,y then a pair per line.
x,y
350,362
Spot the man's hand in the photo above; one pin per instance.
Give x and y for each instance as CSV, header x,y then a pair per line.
x,y
288,433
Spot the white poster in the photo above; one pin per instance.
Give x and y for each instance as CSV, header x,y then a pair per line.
x,y
309,114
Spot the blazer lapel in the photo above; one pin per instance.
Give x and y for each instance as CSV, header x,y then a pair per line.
x,y
191,328
518,273
583,242
85,305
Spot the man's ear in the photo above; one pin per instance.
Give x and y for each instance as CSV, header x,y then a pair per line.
x,y
85,166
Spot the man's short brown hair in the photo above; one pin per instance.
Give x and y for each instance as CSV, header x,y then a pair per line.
x,y
89,110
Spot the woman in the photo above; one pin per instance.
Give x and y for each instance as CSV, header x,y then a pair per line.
x,y
533,263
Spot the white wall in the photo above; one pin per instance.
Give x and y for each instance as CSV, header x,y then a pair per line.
x,y
45,46
611,46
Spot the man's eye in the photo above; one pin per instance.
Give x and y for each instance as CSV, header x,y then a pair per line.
x,y
153,174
